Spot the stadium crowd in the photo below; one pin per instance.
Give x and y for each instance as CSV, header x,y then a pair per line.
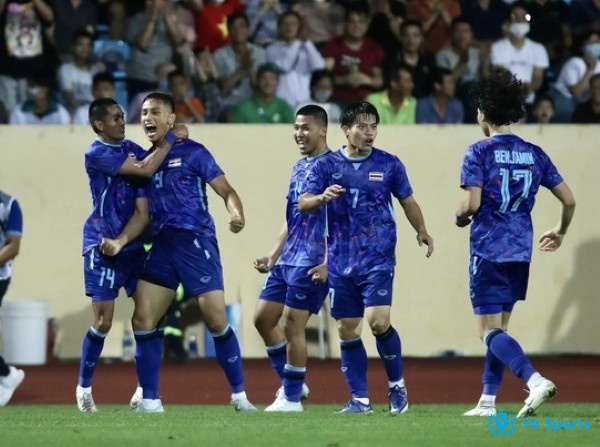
x,y
257,61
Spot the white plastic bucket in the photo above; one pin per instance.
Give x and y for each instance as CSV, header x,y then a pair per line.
x,y
24,326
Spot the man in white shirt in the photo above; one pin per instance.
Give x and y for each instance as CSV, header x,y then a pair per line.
x,y
523,57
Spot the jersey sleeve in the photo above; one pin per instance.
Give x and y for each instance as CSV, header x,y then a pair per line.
x,y
206,165
14,224
471,173
550,175
316,180
401,188
106,160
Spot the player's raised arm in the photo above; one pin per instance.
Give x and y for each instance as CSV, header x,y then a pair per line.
x,y
264,264
233,202
413,213
552,239
134,227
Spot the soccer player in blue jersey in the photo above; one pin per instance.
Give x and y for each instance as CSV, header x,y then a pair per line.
x,y
358,183
297,283
185,251
11,232
119,215
501,176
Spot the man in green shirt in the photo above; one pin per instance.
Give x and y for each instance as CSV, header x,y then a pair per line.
x,y
396,105
264,106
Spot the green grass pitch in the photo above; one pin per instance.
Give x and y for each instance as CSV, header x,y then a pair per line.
x,y
319,425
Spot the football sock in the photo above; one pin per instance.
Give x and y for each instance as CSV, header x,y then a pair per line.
x,y
229,356
493,370
93,343
277,355
293,378
510,353
389,348
354,367
148,360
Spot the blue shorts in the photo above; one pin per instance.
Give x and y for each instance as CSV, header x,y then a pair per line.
x,y
181,256
105,275
350,295
294,287
497,283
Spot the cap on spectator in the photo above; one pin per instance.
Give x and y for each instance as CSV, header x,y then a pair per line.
x,y
268,67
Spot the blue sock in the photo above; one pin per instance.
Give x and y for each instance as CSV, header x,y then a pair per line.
x,y
90,353
389,348
278,357
293,378
148,360
510,353
228,353
493,370
354,367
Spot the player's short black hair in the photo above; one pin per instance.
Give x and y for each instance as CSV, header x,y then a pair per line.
x,y
317,112
353,111
99,109
165,98
501,97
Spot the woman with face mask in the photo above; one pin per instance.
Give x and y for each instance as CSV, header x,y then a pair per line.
x,y
321,89
572,86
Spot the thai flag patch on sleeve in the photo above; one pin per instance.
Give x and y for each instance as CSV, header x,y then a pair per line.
x,y
174,163
376,176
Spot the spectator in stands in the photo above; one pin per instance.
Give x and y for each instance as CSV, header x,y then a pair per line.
x,y
264,106
112,14
70,17
411,54
211,17
263,16
237,63
487,18
523,57
153,35
551,26
386,18
572,86
103,86
589,112
75,77
542,111
464,59
355,60
321,91
396,105
24,48
441,107
40,106
134,109
436,17
585,15
205,80
296,58
323,20
188,108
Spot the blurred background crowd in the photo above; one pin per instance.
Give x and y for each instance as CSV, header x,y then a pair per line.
x,y
257,61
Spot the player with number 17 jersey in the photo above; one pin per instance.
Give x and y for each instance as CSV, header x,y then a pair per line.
x,y
366,241
509,170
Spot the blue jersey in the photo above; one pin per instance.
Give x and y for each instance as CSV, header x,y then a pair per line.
x,y
509,171
177,192
305,243
362,225
113,195
11,224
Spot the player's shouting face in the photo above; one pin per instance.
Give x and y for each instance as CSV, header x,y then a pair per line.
x,y
157,118
361,134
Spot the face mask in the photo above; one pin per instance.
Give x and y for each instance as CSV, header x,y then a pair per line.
x,y
519,29
218,2
593,49
32,93
322,95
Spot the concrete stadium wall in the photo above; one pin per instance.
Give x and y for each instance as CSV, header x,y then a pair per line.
x,y
43,167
